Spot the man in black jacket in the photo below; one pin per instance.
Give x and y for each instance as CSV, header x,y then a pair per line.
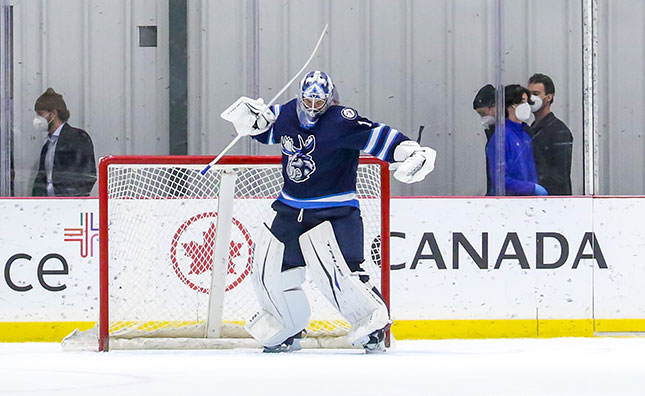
x,y
67,167
552,140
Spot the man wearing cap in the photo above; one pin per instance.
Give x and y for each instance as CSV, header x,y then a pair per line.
x,y
67,167
484,105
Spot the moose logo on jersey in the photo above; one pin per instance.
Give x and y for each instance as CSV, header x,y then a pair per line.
x,y
300,165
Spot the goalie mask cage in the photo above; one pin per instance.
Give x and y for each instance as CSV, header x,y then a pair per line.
x,y
176,249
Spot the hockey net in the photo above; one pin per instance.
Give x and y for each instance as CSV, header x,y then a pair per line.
x,y
161,241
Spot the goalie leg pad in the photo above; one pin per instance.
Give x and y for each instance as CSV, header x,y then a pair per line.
x,y
284,306
357,302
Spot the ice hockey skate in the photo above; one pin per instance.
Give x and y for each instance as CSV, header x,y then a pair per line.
x,y
376,342
291,344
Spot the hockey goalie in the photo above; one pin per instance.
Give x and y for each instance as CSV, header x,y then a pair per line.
x,y
318,222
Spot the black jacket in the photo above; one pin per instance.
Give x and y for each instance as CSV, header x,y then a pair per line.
x,y
552,147
490,131
74,172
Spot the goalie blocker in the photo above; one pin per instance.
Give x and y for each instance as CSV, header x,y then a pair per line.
x,y
413,162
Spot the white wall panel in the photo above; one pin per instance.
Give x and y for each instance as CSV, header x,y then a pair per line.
x,y
88,50
459,289
546,37
150,81
621,80
618,291
217,48
405,63
70,236
420,287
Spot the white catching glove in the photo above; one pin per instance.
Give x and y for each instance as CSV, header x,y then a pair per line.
x,y
413,162
248,117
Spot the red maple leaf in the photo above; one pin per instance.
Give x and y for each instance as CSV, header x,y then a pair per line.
x,y
233,251
202,254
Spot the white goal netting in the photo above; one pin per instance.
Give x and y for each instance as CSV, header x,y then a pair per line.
x,y
161,234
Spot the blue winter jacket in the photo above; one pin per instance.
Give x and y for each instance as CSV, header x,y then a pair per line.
x,y
521,176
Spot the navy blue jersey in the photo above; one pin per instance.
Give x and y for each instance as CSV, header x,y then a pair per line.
x,y
319,164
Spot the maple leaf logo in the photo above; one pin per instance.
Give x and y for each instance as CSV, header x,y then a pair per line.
x,y
233,251
202,254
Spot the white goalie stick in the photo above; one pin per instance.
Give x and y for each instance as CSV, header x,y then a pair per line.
x,y
266,106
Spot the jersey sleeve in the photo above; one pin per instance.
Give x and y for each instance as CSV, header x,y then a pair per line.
x,y
370,137
268,137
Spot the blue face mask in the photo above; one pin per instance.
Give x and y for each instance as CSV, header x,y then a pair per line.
x,y
315,96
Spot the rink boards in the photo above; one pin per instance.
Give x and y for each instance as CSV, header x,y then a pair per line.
x,y
461,267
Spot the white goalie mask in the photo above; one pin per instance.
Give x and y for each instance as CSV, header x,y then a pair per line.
x,y
315,95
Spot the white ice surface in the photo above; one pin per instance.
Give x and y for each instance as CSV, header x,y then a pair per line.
x,y
561,366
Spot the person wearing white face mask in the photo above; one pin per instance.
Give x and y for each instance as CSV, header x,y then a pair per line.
x,y
552,139
520,174
484,106
67,167
535,107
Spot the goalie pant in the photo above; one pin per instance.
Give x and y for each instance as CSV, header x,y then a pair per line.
x,y
289,223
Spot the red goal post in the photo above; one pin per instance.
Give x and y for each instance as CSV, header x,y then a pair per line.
x,y
158,247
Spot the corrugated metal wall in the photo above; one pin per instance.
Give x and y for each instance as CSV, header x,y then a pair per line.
x,y
88,50
406,63
621,95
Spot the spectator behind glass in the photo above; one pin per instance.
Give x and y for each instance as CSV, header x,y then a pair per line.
x,y
66,167
520,175
484,105
552,140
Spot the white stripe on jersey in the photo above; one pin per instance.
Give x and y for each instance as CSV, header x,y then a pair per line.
x,y
374,135
388,142
329,198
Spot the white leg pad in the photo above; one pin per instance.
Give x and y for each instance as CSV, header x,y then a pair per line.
x,y
364,310
284,306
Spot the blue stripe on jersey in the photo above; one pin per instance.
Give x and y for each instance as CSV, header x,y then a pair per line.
x,y
374,136
317,205
381,140
388,143
329,201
